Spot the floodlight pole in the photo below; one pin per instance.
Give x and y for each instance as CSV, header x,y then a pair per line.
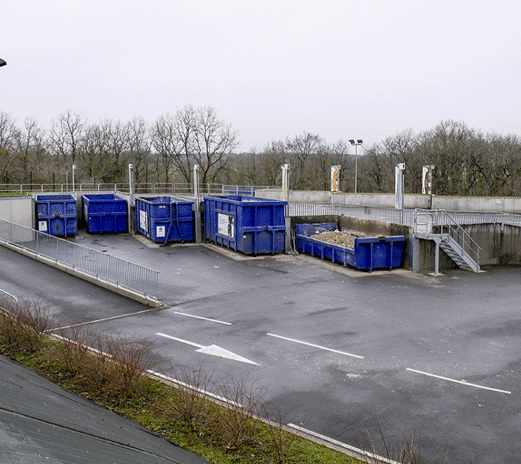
x,y
356,144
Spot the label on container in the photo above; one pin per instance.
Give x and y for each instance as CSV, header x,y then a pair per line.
x,y
225,225
42,226
160,231
143,220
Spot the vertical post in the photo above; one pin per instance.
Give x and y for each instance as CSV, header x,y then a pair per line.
x,y
197,212
73,178
437,259
399,187
427,173
285,197
130,202
285,182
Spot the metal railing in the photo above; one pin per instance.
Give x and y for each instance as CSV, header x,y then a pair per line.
x,y
103,267
448,225
395,216
140,188
405,217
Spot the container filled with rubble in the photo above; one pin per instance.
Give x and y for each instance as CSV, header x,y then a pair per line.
x,y
349,248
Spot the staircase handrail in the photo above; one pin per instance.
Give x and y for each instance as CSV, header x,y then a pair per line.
x,y
447,222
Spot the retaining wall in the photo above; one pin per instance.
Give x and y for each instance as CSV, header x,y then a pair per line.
x,y
19,210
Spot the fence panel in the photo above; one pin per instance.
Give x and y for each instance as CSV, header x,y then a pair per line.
x,y
103,267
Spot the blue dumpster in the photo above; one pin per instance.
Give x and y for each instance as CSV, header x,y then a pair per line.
x,y
163,219
367,253
246,224
105,213
56,214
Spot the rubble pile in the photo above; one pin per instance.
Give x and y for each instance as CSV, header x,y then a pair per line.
x,y
336,237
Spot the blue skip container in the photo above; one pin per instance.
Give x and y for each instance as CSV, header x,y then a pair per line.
x,y
367,253
105,213
247,224
57,214
163,219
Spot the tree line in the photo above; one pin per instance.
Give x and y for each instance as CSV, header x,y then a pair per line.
x,y
467,161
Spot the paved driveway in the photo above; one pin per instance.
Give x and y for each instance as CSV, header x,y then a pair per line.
x,y
339,351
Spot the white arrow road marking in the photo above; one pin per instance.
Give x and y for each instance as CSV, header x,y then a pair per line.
x,y
212,350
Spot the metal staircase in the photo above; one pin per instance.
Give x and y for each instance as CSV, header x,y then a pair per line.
x,y
440,227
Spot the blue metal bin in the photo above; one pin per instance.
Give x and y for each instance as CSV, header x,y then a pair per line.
x,y
57,214
367,253
246,224
163,219
105,213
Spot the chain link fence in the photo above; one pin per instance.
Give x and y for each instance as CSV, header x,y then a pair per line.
x,y
103,267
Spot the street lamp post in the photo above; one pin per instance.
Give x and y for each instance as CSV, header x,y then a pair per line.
x,y
356,144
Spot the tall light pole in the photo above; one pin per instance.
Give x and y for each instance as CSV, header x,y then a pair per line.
x,y
356,144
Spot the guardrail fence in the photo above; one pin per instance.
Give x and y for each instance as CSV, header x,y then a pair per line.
x,y
103,267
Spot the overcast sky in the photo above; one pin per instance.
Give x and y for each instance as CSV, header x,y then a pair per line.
x,y
272,69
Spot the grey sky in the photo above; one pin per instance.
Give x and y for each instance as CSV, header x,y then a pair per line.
x,y
273,69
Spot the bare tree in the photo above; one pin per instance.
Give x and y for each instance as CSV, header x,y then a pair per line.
x,y
213,141
8,135
67,132
164,142
301,149
30,151
139,147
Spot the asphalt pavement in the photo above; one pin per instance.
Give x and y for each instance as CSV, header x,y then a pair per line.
x,y
339,352
40,422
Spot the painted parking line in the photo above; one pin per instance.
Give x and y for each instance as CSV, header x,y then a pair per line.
x,y
315,346
202,318
212,350
461,382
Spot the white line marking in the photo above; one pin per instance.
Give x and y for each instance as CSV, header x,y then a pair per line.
x,y
315,346
359,453
461,382
106,319
179,340
203,318
198,390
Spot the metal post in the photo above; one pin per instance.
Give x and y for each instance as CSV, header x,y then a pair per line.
x,y
285,182
130,202
197,212
285,197
437,260
73,178
356,144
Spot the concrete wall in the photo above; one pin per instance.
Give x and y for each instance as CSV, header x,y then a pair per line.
x,y
19,210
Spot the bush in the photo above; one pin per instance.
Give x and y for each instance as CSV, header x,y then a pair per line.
x,y
23,324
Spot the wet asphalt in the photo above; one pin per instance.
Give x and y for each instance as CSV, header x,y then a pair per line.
x,y
412,357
